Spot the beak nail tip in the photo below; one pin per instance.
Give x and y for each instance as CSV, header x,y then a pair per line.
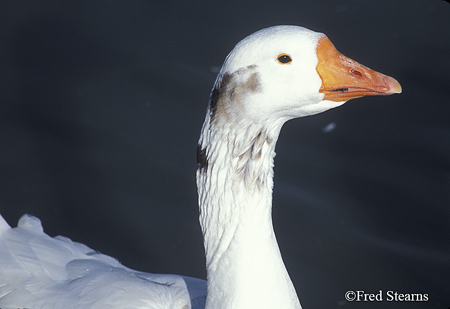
x,y
394,85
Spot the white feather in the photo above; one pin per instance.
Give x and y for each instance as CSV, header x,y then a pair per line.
x,y
38,271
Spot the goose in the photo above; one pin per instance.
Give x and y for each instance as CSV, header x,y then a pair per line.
x,y
270,77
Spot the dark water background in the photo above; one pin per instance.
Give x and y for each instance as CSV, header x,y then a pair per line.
x,y
101,107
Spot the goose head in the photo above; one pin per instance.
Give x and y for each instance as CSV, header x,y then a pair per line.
x,y
285,72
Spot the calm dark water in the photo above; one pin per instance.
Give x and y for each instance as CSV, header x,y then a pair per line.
x,y
102,104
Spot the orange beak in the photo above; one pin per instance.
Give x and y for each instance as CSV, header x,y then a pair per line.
x,y
344,79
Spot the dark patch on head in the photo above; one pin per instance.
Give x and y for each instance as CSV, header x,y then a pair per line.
x,y
252,83
202,160
227,85
216,93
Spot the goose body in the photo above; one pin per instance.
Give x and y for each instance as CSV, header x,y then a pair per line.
x,y
270,77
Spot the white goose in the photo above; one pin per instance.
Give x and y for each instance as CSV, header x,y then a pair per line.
x,y
271,76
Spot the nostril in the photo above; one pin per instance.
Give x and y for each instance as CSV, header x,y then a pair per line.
x,y
355,72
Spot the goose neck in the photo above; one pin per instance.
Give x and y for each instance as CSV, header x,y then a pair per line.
x,y
235,179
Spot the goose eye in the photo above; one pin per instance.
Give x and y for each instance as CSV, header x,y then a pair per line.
x,y
284,59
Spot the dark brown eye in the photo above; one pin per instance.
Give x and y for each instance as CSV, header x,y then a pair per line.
x,y
284,59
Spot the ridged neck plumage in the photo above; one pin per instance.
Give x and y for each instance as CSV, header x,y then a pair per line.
x,y
235,179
